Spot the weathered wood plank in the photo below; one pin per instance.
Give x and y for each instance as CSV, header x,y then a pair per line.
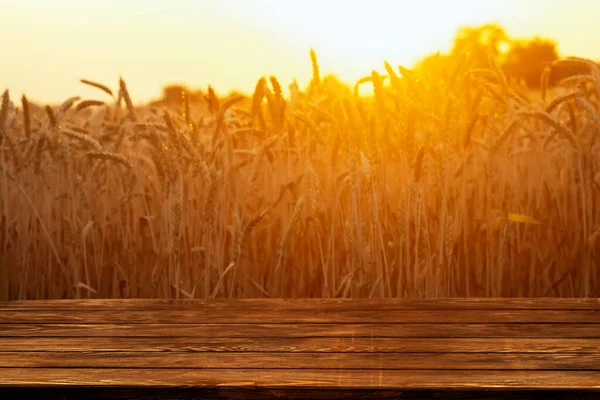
x,y
295,345
317,315
381,304
564,330
300,361
307,378
264,347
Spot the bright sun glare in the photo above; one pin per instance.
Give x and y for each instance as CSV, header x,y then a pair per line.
x,y
354,37
231,43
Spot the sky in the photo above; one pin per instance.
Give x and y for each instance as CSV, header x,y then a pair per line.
x,y
46,46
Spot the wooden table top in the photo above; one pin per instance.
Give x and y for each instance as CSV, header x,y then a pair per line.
x,y
301,348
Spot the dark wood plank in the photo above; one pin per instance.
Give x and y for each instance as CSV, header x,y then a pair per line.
x,y
295,345
262,393
381,304
565,330
300,361
317,315
307,378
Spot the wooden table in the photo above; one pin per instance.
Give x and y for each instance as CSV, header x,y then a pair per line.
x,y
302,348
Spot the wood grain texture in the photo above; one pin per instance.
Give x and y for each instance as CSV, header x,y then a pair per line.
x,y
315,378
316,315
170,345
522,330
310,303
301,349
299,361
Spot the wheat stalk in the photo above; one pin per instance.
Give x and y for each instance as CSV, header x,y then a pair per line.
x,y
288,232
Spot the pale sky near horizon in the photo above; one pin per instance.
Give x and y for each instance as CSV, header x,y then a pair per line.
x,y
48,45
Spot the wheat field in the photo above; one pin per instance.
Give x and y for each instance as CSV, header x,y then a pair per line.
x,y
446,181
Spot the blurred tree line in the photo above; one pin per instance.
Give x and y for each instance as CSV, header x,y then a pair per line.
x,y
522,60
